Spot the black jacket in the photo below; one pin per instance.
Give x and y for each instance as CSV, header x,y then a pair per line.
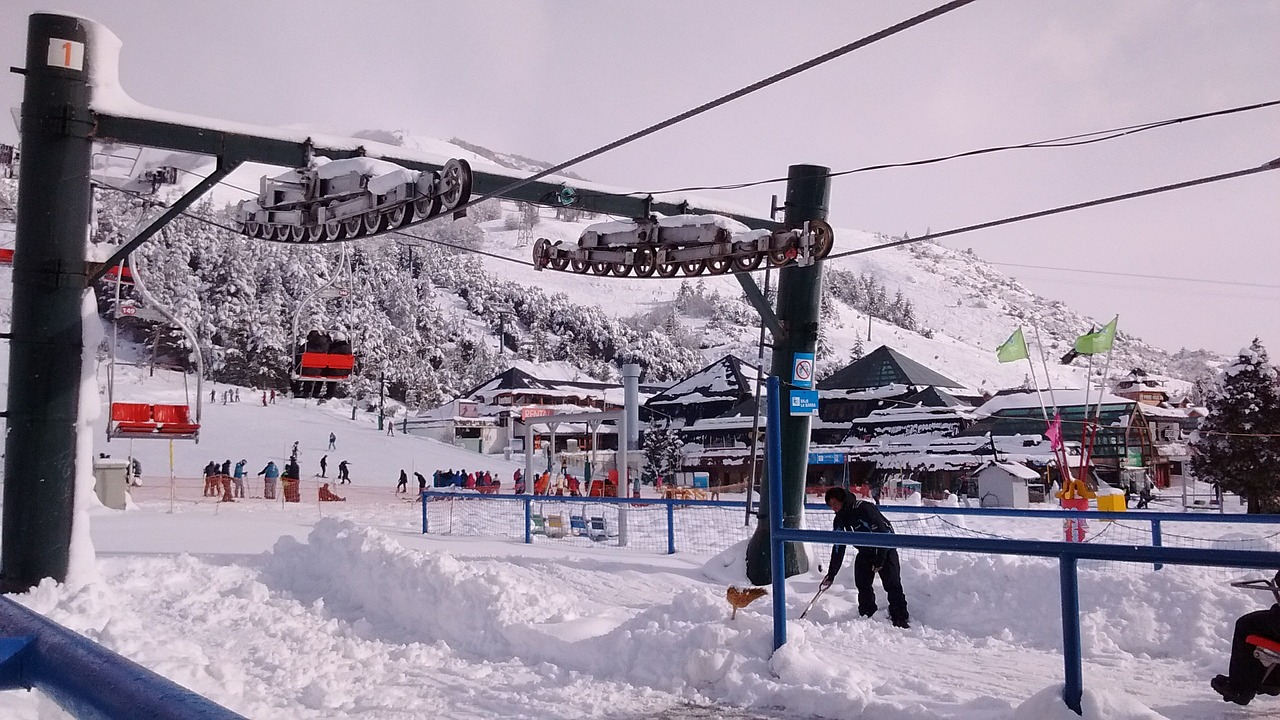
x,y
858,516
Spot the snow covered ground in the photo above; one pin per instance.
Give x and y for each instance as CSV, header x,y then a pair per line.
x,y
345,610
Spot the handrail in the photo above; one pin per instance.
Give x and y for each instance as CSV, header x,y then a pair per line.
x,y
86,679
1068,555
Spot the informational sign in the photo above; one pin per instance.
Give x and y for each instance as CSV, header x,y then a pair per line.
x,y
1133,457
802,370
826,458
804,402
67,54
533,412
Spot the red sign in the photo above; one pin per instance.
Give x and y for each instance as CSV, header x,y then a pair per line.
x,y
532,412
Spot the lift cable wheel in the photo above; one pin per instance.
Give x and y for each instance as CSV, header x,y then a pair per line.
x,y
689,245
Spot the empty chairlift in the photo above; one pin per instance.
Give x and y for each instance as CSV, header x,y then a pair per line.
x,y
139,420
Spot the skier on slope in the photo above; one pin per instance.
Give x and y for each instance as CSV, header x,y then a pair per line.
x,y
269,475
857,515
344,473
403,484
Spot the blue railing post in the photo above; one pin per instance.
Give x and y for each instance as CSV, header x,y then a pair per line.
x,y
528,520
1070,590
671,528
777,553
1155,539
423,497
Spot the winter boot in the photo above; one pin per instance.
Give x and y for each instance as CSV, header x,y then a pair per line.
x,y
1222,684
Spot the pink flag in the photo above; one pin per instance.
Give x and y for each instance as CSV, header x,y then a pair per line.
x,y
1054,432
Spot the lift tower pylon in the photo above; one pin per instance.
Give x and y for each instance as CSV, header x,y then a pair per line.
x,y
799,298
48,288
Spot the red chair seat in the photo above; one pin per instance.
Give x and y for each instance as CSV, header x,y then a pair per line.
x,y
131,412
179,428
132,427
1264,643
6,256
171,414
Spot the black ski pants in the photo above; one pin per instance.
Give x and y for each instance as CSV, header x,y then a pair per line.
x,y
864,573
1246,672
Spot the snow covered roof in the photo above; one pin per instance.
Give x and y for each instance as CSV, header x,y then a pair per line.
x,y
935,397
1163,412
881,367
1064,398
917,413
728,378
1017,470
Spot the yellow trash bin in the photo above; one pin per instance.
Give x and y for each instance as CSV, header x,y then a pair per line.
x,y
1111,503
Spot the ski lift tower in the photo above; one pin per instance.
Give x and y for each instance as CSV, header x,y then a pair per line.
x,y
72,99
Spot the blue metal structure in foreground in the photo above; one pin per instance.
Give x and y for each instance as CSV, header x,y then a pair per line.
x,y
86,679
1068,555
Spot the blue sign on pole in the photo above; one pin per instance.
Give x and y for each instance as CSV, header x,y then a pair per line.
x,y
804,402
802,371
826,458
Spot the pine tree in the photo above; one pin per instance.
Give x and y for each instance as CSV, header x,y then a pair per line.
x,y
858,352
1238,445
662,451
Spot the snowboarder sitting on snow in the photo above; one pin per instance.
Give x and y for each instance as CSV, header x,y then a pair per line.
x,y
858,515
1245,671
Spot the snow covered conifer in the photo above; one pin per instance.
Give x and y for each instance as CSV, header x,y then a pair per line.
x,y
1238,445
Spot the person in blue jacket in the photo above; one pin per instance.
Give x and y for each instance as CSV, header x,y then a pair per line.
x,y
857,515
238,478
270,474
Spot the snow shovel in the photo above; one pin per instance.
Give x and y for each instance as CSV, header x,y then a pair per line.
x,y
821,589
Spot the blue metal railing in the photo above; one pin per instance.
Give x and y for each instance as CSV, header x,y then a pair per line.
x,y
86,679
1068,554
1155,519
528,500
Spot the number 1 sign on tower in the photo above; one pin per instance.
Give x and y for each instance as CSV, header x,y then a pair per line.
x,y
67,54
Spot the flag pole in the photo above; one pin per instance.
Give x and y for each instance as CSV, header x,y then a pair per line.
x,y
1086,447
1047,379
1036,384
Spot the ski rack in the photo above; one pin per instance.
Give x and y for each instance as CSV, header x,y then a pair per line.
x,y
309,205
690,245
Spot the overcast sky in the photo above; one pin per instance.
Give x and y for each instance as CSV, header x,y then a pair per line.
x,y
553,79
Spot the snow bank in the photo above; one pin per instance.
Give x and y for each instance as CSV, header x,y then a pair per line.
x,y
1094,705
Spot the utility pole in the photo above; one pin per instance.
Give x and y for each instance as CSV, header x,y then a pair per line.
x,y
799,296
48,286
382,397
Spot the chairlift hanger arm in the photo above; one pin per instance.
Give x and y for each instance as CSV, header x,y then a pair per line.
x,y
294,153
224,168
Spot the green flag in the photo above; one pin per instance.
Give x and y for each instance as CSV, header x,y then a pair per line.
x,y
1098,342
1015,348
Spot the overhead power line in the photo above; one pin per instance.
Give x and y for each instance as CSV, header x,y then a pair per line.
x,y
1273,165
1059,142
722,100
1236,283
